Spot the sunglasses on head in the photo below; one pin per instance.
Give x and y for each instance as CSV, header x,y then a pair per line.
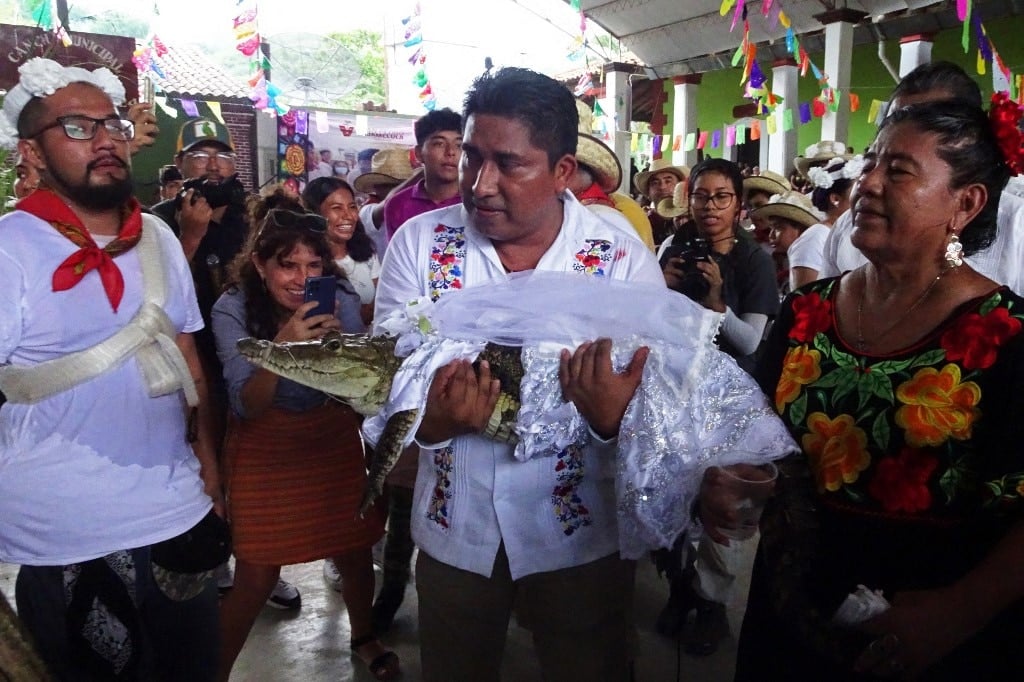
x,y
283,218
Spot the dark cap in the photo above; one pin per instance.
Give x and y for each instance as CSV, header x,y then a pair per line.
x,y
169,173
200,130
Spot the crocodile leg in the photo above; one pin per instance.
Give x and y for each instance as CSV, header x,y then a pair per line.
x,y
389,449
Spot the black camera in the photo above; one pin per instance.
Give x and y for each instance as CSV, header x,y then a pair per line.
x,y
217,194
691,251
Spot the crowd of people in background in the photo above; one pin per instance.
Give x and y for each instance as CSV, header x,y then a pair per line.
x,y
870,296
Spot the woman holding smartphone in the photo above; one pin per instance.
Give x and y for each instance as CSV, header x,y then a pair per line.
x,y
294,461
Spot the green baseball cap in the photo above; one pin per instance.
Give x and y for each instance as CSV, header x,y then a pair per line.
x,y
200,130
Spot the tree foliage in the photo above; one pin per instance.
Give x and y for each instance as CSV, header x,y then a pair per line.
x,y
368,48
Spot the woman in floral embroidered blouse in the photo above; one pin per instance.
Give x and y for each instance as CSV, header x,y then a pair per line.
x,y
901,381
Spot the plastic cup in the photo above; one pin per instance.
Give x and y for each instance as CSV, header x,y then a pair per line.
x,y
749,487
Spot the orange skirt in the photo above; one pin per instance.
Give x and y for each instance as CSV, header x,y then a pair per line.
x,y
294,482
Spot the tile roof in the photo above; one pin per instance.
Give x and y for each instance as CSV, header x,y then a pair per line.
x,y
187,71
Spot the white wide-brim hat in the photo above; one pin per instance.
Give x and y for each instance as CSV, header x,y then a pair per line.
x,y
819,154
792,206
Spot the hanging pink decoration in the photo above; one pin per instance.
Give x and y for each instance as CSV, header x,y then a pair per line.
x,y
737,14
962,8
245,26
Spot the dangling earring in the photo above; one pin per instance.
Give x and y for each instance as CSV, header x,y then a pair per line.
x,y
953,250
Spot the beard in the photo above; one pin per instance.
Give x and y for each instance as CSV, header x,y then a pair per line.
x,y
96,197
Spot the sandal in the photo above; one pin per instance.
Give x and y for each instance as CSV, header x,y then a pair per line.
x,y
383,667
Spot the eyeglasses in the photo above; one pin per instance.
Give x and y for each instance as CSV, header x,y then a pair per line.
x,y
290,220
718,199
203,158
79,127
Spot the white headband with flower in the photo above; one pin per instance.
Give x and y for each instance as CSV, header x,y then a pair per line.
x,y
822,177
41,77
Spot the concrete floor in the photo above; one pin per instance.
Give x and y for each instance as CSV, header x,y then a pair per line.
x,y
312,643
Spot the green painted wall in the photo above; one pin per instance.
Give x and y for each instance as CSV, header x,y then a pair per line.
x,y
720,91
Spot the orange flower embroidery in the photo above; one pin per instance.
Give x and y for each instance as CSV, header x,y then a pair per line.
x,y
936,406
836,448
800,367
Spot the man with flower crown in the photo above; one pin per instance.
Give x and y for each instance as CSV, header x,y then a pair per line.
x,y
108,467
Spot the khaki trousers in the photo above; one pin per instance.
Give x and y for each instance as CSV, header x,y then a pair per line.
x,y
581,619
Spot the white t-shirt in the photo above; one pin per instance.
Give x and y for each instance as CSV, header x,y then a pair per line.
x,y
101,466
839,255
807,250
361,275
474,494
1002,261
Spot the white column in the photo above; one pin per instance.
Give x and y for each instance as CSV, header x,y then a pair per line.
x,y
782,144
266,146
618,103
838,55
684,116
915,50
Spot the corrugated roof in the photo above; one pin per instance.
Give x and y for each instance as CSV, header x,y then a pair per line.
x,y
678,37
189,72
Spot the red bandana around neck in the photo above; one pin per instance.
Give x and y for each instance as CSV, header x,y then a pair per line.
x,y
47,206
595,195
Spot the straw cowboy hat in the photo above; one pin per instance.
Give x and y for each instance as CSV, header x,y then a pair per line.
x,y
659,166
676,205
600,160
819,154
766,181
387,167
792,206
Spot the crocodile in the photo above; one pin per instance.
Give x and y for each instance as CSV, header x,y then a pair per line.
x,y
358,370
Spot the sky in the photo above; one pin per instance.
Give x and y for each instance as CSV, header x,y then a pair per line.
x,y
497,23
458,34
210,20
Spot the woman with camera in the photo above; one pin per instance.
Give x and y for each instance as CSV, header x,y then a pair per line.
x,y
295,469
715,262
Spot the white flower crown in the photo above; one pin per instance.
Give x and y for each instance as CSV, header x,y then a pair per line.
x,y
41,77
822,177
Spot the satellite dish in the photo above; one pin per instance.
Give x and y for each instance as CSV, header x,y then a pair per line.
x,y
312,70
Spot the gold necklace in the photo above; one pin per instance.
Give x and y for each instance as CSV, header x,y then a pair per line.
x,y
861,343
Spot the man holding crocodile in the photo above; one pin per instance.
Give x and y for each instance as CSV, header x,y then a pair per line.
x,y
497,534
553,460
